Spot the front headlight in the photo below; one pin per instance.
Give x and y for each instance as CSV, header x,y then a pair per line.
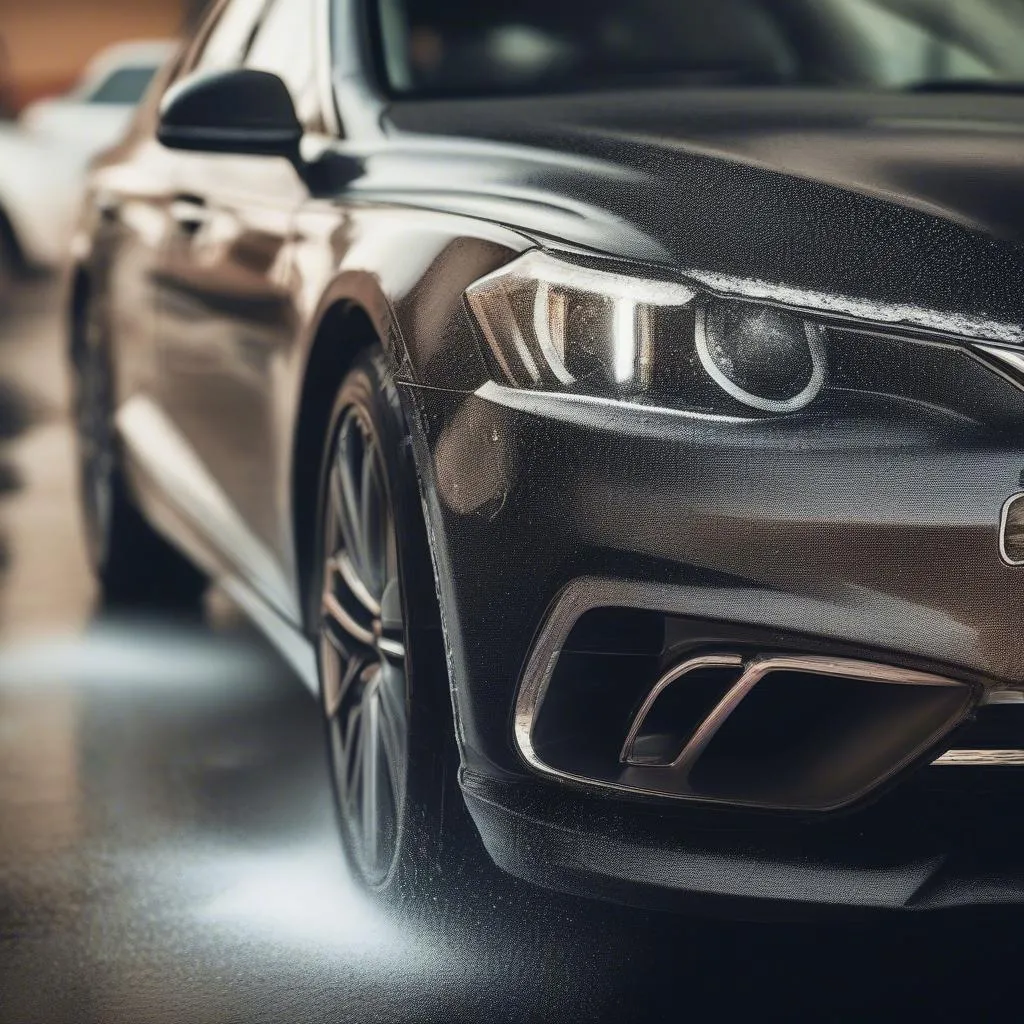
x,y
554,325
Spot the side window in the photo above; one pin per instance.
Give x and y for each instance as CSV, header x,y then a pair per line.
x,y
124,87
224,44
286,45
905,48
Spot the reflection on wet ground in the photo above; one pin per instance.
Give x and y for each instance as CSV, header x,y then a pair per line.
x,y
167,847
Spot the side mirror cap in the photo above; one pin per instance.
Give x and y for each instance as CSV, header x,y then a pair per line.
x,y
239,111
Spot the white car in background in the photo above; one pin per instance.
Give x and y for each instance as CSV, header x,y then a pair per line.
x,y
96,113
44,155
39,196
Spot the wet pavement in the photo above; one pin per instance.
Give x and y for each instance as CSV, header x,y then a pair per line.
x,y
167,847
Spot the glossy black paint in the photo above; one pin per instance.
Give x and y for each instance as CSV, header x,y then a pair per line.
x,y
895,198
244,111
236,290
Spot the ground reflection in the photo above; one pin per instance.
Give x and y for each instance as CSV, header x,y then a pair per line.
x,y
198,830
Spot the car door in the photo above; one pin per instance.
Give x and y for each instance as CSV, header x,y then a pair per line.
x,y
226,320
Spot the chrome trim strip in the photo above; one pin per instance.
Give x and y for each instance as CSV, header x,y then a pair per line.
x,y
293,646
1012,358
685,668
821,665
868,311
597,411
1003,517
1003,697
711,725
994,758
581,595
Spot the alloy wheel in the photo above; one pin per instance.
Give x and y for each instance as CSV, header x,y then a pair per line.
x,y
363,650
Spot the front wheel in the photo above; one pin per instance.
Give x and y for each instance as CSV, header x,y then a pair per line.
x,y
384,681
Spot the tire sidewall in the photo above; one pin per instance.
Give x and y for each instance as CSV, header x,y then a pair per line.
x,y
136,568
92,359
431,762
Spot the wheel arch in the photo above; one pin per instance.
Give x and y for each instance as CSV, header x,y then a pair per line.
x,y
344,329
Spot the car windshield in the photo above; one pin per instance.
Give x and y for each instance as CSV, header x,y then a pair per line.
x,y
125,86
480,47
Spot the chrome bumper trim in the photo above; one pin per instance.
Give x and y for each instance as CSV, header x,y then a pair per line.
x,y
982,758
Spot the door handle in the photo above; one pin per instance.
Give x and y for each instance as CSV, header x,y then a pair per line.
x,y
189,213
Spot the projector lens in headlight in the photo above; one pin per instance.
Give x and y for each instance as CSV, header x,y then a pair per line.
x,y
558,326
763,357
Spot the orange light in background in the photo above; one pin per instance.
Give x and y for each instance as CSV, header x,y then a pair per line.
x,y
49,42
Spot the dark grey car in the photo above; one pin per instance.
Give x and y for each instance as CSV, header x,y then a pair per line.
x,y
614,411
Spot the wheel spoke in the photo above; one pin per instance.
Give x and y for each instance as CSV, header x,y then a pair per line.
x,y
347,571
371,768
372,526
391,642
342,641
336,611
345,668
331,673
392,729
345,527
352,749
350,509
363,648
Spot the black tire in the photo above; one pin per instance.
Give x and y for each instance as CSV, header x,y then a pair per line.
x,y
136,569
10,265
397,682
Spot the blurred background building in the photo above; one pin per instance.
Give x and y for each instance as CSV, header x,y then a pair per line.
x,y
46,44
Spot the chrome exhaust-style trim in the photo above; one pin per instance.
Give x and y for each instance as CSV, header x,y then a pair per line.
x,y
585,594
819,665
683,669
753,673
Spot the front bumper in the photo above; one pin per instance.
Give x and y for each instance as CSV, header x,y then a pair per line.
x,y
871,529
948,838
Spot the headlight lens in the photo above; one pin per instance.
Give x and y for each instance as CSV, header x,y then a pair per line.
x,y
763,357
554,325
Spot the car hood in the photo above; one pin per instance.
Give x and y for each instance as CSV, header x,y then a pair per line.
x,y
899,199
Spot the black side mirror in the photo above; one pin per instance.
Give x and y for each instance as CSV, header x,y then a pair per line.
x,y
239,111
